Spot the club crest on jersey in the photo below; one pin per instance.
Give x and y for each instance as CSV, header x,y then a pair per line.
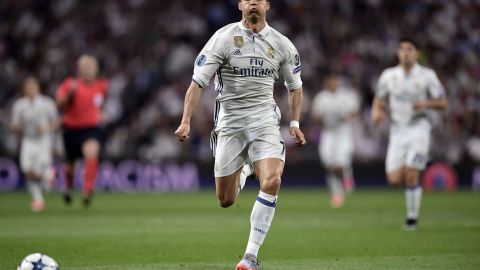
x,y
271,52
297,60
238,41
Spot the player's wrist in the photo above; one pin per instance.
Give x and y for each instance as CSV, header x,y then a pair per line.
x,y
294,124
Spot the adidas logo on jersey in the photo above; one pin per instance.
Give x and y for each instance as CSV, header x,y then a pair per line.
x,y
237,52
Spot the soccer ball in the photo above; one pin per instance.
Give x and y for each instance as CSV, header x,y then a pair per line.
x,y
37,261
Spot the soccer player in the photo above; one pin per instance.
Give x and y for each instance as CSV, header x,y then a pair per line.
x,y
405,93
80,99
247,57
35,116
335,108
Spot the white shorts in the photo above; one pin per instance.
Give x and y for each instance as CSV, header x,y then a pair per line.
x,y
408,148
35,157
234,148
336,150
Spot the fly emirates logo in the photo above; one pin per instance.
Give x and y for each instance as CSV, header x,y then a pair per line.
x,y
255,69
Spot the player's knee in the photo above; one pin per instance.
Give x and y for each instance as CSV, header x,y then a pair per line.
x,y
226,202
90,149
394,180
271,185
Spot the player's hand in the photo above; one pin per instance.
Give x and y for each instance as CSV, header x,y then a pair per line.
x,y
298,136
182,132
377,116
41,130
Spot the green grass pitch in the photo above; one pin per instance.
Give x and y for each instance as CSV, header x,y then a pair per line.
x,y
191,231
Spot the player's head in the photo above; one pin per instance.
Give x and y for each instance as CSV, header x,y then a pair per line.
x,y
87,67
407,52
31,87
332,80
254,11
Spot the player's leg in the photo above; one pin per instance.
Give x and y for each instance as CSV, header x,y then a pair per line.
x,y
227,187
229,149
335,185
413,196
269,172
90,151
28,160
395,161
72,144
267,150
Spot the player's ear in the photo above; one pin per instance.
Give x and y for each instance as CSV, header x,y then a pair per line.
x,y
239,5
268,5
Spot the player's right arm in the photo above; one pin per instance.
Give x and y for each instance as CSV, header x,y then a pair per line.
x,y
66,92
192,98
379,108
207,63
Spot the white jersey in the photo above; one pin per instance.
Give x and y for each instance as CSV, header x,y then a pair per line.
x,y
401,90
336,143
33,115
334,108
246,65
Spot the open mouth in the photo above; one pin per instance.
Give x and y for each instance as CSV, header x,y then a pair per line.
x,y
254,11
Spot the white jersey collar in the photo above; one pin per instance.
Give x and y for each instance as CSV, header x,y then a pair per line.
x,y
264,31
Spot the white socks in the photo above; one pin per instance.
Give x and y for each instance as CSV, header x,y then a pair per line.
x,y
35,189
260,220
413,199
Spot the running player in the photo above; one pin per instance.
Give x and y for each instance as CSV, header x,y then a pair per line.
x,y
80,99
335,108
35,116
405,92
247,57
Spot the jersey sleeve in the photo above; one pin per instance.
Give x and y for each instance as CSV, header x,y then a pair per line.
x,y
62,90
435,87
208,61
291,68
382,86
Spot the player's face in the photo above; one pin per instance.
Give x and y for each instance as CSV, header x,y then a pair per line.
x,y
407,53
88,67
31,87
332,83
254,10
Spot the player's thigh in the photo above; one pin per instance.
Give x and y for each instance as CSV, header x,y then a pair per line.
x,y
90,148
396,155
269,172
266,142
231,154
342,156
417,155
396,177
28,157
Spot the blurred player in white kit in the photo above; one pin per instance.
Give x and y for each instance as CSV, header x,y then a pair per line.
x,y
35,117
334,108
405,93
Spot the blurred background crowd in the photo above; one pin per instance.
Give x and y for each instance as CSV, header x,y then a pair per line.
x,y
147,50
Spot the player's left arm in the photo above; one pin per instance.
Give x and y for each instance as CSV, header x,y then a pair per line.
x,y
295,97
438,100
291,70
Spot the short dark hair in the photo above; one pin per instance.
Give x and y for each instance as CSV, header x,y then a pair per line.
x,y
409,40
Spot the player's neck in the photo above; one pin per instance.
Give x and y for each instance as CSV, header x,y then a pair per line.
x,y
408,67
257,27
